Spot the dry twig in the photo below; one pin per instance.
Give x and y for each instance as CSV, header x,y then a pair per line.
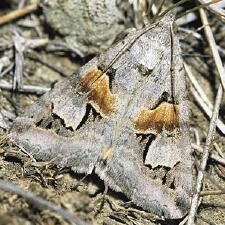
x,y
213,120
21,44
4,62
201,98
2,122
18,13
205,155
8,114
213,47
213,192
34,56
217,8
40,202
7,70
21,4
218,149
25,89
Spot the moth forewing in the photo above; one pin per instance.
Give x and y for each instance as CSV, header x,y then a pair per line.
x,y
115,96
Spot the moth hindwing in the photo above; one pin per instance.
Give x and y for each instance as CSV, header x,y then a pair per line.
x,y
125,116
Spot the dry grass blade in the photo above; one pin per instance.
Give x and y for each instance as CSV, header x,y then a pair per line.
x,y
213,120
201,98
140,9
204,4
205,155
7,70
19,44
197,86
213,47
219,150
214,192
40,202
216,8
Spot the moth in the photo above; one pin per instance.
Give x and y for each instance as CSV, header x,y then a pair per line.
x,y
124,116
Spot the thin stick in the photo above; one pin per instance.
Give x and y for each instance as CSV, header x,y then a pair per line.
x,y
34,56
40,202
218,149
8,114
25,89
214,192
203,5
213,121
18,13
158,11
3,124
196,135
19,60
213,156
213,47
184,221
218,11
202,99
196,85
207,110
205,155
21,4
174,6
7,70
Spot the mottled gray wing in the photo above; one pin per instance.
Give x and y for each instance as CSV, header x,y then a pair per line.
x,y
125,115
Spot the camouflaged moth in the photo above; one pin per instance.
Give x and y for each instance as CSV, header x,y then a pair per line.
x,y
124,116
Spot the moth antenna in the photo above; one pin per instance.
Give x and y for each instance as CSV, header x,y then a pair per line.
x,y
172,72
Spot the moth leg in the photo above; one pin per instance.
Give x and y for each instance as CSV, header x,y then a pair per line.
x,y
102,198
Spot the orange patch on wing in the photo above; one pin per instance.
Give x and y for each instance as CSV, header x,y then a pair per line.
x,y
165,116
97,85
